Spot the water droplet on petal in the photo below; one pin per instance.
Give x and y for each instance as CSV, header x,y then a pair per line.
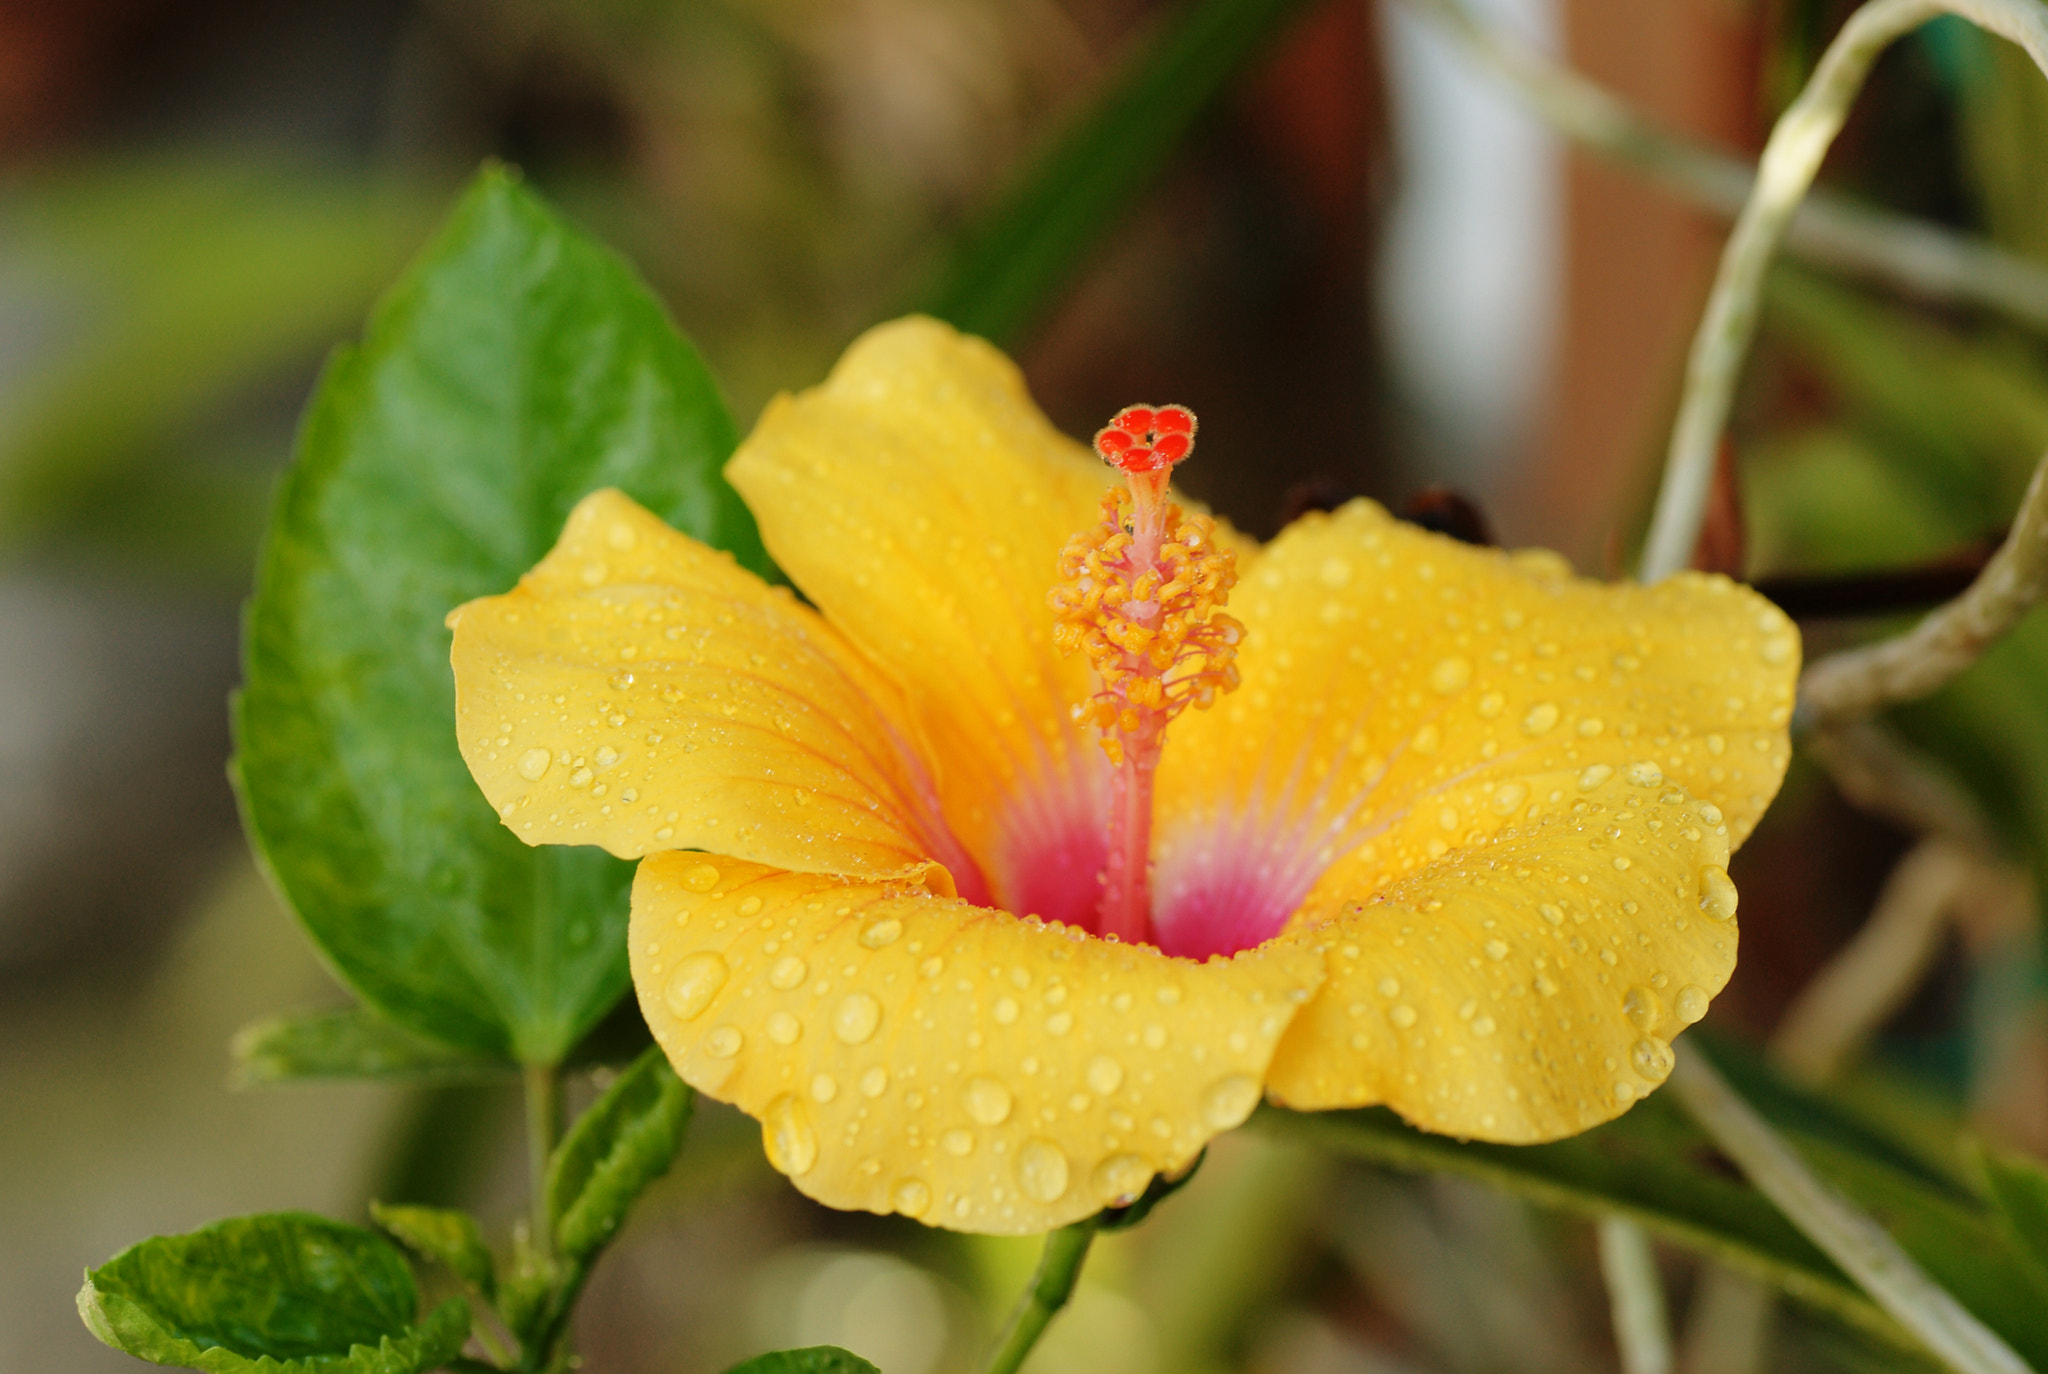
x,y
696,980
1541,717
911,1197
1006,1011
533,763
724,1042
1717,893
1640,1006
1651,1058
1229,1101
1594,776
1644,773
748,905
824,1088
787,973
1691,1003
874,1082
855,1020
784,1029
987,1101
958,1141
1402,1016
1120,1179
1496,950
701,878
1105,1075
1450,675
1042,1171
787,1138
1508,798
881,933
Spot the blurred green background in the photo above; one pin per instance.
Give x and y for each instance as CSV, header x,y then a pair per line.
x,y
1361,265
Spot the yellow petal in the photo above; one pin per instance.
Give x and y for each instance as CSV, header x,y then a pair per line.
x,y
1524,987
1384,667
642,692
911,1053
921,500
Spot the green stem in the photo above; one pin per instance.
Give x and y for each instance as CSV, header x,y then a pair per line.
x,y
1846,1234
1791,159
543,1126
1059,1268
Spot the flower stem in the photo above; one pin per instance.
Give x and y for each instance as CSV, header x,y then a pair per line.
x,y
1635,1291
1059,1268
543,1123
1915,256
1790,160
1859,682
1849,1237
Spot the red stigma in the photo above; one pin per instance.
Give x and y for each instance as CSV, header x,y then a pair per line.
x,y
1147,438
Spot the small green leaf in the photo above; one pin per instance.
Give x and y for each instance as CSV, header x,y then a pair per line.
x,y
350,1044
517,366
1035,238
623,1143
2019,1193
287,1289
448,1237
816,1359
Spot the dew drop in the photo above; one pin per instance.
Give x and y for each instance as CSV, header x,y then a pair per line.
x,y
696,980
1104,1075
1591,726
1508,798
1042,1171
1006,1011
881,933
581,777
787,1138
1651,1058
874,1082
1717,893
787,973
1644,773
1450,675
749,905
1402,1016
1691,1003
911,1196
1228,1101
1496,950
1483,1026
987,1101
856,1018
606,756
1427,740
1552,913
1120,1179
1491,705
534,763
701,878
1541,717
1640,1006
958,1141
1390,987
724,1042
824,1088
784,1029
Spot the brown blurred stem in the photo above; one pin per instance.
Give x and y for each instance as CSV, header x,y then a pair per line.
x,y
543,1124
1059,1269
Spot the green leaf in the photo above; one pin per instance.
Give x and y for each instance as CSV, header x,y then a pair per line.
x,y
2019,1191
1655,1166
287,1289
349,1044
1039,233
816,1359
450,1238
516,367
623,1143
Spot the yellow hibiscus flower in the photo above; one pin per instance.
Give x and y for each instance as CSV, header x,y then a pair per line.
x,y
1456,845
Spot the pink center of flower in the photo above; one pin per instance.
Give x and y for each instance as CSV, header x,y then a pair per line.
x,y
1141,595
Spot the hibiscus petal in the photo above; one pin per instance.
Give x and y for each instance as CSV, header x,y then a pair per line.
x,y
911,1053
1384,666
642,692
921,500
1526,987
